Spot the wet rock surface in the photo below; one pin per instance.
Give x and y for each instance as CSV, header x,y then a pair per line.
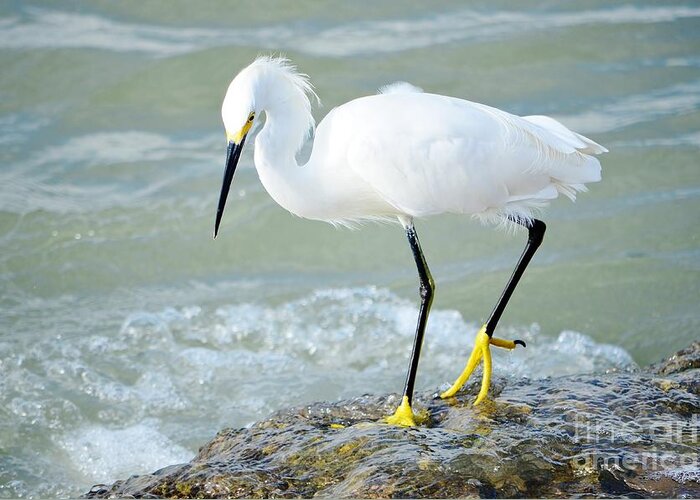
x,y
620,434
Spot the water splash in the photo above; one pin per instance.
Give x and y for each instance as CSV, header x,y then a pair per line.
x,y
101,453
244,360
175,376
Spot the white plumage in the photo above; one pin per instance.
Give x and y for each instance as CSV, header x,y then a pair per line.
x,y
404,153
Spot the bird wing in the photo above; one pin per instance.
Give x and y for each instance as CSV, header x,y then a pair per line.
x,y
426,154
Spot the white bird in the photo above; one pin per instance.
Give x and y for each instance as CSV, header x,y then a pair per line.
x,y
401,155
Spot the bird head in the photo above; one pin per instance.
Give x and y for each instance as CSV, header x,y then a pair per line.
x,y
269,84
238,114
239,106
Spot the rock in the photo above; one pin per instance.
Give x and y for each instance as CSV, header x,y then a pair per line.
x,y
631,434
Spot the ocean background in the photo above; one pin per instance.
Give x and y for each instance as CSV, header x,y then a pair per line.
x,y
128,337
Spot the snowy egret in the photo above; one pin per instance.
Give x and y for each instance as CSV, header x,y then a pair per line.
x,y
400,155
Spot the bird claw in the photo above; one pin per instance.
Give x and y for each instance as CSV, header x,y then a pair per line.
x,y
404,416
481,351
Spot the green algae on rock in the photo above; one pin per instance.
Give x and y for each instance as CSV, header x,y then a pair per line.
x,y
614,434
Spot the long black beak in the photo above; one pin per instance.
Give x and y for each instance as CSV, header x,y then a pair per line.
x,y
233,154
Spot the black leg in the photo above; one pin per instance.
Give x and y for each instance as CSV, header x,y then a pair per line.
x,y
484,338
427,289
536,230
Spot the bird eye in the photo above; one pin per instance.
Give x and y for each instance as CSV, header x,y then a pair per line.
x,y
250,118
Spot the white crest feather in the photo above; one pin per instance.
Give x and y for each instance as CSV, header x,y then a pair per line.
x,y
300,84
289,70
400,88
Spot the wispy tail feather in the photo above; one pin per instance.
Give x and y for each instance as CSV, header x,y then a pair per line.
x,y
576,141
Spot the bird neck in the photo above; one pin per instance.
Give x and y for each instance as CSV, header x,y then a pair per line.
x,y
276,147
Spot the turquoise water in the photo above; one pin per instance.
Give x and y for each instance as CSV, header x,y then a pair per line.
x,y
129,337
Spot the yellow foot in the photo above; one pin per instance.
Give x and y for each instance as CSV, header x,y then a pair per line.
x,y
481,351
404,416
